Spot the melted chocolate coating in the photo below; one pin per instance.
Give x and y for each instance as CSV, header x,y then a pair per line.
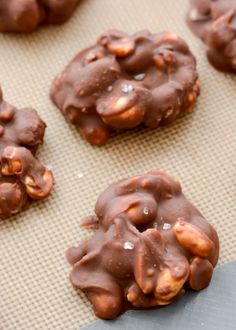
x,y
27,15
150,245
215,22
22,177
125,81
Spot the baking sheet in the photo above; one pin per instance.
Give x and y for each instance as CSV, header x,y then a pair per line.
x,y
199,149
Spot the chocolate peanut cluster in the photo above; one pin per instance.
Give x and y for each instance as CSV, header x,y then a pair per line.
x,y
150,245
215,22
126,81
27,15
22,177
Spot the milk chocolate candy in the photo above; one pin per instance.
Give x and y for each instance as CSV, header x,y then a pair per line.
x,y
215,23
22,177
27,15
151,244
127,81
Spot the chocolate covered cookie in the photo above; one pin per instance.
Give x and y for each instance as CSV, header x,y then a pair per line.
x,y
150,245
127,81
22,177
27,15
215,23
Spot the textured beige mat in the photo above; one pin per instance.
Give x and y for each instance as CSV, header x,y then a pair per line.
x,y
199,149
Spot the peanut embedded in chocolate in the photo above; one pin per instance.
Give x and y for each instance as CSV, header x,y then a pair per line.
x,y
150,245
126,81
27,15
215,23
22,177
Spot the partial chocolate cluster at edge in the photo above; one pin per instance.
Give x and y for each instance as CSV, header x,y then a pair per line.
x,y
127,81
215,23
150,245
22,177
27,15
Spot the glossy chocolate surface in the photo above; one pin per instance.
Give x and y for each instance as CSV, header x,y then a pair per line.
x,y
22,177
215,23
150,245
127,81
27,15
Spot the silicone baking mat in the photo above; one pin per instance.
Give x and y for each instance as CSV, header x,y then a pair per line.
x,y
199,149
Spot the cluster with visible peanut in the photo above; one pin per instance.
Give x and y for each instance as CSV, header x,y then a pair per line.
x,y
220,40
214,23
22,176
27,15
150,245
127,81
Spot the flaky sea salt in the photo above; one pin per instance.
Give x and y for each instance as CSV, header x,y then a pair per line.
x,y
127,88
128,246
166,226
140,76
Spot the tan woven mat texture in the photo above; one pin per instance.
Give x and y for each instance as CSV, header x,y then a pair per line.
x,y
199,149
